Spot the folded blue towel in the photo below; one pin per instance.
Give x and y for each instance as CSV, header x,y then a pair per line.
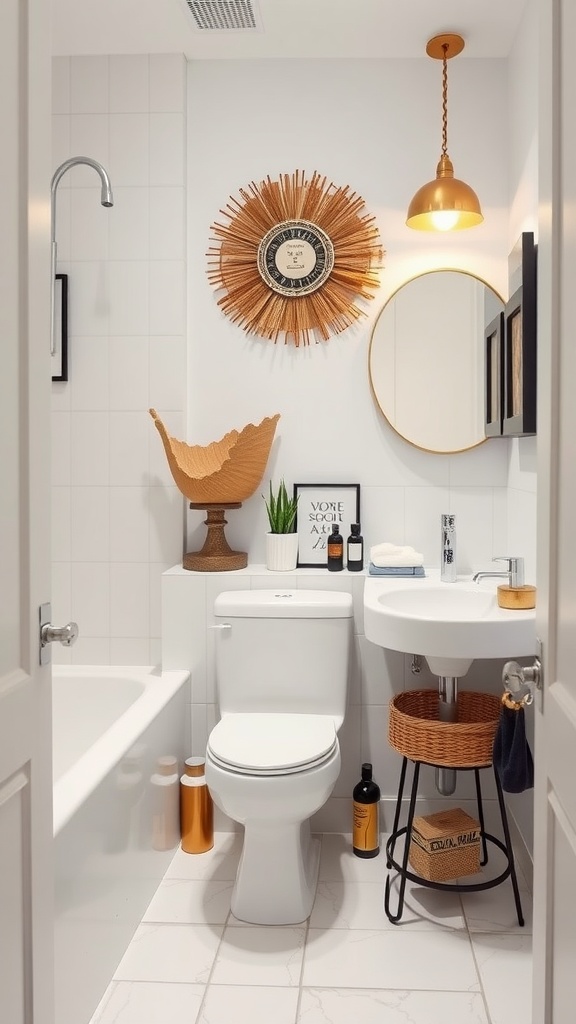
x,y
396,570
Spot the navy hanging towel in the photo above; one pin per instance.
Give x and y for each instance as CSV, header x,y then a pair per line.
x,y
511,755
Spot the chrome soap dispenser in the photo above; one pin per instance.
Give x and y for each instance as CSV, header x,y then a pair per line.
x,y
448,549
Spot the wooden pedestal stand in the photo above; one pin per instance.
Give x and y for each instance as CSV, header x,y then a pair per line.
x,y
216,554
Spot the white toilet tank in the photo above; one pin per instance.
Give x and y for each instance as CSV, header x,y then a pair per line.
x,y
283,651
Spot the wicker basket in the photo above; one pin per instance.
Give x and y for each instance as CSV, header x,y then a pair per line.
x,y
445,845
415,731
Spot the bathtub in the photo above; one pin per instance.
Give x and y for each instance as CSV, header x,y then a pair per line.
x,y
115,815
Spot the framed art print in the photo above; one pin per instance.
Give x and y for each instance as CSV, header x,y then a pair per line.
x,y
320,508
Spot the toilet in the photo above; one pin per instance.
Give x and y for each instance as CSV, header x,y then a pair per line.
x,y
282,660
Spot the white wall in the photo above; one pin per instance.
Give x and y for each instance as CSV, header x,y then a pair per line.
x,y
376,126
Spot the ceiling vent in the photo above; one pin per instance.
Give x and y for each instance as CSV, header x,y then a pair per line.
x,y
225,15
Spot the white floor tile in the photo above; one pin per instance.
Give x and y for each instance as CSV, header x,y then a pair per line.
x,y
170,952
221,862
361,905
339,864
184,900
148,1002
505,968
374,1006
246,1004
495,910
260,956
386,959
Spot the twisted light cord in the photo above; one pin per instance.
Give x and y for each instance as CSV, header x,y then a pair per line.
x,y
445,100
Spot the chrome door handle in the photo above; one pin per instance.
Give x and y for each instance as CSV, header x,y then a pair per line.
x,y
221,625
519,680
66,635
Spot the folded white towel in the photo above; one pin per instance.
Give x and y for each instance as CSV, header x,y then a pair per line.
x,y
388,555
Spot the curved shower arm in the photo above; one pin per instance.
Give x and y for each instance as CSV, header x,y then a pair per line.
x,y
106,199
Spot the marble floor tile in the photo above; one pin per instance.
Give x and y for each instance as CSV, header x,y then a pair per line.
x,y
361,905
148,1002
389,959
248,1004
191,901
170,952
339,864
505,968
221,862
260,956
494,910
374,1006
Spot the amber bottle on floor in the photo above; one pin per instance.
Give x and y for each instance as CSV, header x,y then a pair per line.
x,y
196,808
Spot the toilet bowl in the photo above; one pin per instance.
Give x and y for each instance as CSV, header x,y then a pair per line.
x,y
273,759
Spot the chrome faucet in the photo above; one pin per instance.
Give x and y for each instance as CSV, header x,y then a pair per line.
x,y
515,571
448,549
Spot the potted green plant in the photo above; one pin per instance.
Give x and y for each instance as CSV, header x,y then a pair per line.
x,y
282,539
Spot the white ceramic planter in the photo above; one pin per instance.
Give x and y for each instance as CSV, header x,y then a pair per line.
x,y
281,551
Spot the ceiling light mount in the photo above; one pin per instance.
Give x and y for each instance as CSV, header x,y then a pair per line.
x,y
446,203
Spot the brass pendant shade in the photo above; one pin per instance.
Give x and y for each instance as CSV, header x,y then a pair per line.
x,y
446,203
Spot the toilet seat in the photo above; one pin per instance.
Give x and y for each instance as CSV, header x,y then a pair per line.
x,y
272,744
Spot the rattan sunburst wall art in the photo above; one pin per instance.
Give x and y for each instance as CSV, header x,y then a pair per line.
x,y
294,257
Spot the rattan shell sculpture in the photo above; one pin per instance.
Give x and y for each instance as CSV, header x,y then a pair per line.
x,y
225,471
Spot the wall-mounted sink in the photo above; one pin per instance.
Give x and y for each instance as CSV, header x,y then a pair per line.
x,y
450,624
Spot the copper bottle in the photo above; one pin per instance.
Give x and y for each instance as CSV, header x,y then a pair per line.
x,y
196,808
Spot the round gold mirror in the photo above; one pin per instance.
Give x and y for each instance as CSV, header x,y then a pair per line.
x,y
426,359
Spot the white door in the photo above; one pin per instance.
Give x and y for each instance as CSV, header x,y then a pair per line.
x,y
26,921
555,791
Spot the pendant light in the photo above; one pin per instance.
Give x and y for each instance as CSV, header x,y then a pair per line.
x,y
445,204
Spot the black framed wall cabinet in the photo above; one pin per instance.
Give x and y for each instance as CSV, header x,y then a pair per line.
x,y
520,358
494,381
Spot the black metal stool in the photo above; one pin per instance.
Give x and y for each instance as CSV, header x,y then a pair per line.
x,y
402,869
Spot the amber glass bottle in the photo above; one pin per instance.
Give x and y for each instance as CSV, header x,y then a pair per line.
x,y
335,550
196,808
366,831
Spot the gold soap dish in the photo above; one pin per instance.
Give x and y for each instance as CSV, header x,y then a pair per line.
x,y
517,598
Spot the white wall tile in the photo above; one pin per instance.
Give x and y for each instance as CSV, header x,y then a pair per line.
x,y
129,651
184,621
129,448
129,149
167,82
61,592
61,146
167,372
60,85
88,137
129,298
167,288
129,600
89,456
90,650
129,84
90,594
473,507
61,523
88,386
89,85
167,223
166,520
129,375
424,506
60,429
350,752
89,224
89,299
129,224
156,569
60,395
90,529
129,524
166,149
